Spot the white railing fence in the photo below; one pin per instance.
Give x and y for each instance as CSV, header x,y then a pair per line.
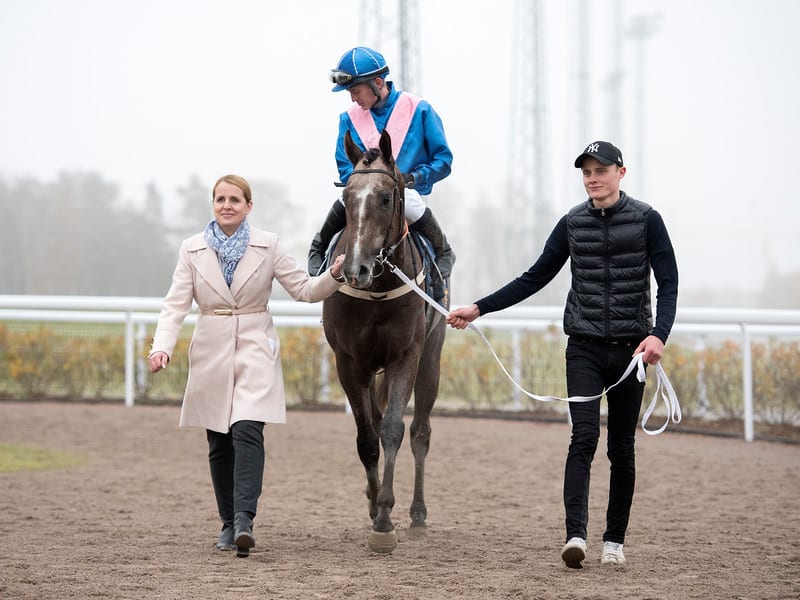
x,y
136,313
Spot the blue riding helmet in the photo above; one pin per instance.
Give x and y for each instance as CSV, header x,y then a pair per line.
x,y
358,65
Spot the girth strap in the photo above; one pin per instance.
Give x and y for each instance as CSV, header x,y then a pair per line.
x,y
381,296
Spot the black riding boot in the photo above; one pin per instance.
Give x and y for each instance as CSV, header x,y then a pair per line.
x,y
248,473
445,257
220,461
334,223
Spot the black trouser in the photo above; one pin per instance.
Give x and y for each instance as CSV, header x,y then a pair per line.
x,y
236,460
591,367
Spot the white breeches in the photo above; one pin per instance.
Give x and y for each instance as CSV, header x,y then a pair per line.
x,y
415,206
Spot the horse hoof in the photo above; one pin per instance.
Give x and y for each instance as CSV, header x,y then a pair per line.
x,y
417,532
382,542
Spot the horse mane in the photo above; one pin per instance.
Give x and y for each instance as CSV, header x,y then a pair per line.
x,y
371,155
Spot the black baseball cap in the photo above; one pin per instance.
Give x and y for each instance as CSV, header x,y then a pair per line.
x,y
605,152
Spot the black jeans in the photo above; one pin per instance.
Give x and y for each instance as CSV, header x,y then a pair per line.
x,y
236,460
591,367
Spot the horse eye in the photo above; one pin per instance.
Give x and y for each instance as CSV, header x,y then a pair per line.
x,y
387,198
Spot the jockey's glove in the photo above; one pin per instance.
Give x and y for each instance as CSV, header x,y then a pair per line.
x,y
408,180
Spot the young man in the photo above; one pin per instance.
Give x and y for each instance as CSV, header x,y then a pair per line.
x,y
613,242
418,144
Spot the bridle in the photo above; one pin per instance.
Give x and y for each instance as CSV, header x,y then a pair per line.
x,y
387,250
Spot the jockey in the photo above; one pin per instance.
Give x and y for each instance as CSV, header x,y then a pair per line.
x,y
418,143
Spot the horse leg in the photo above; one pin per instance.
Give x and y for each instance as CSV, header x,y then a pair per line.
x,y
369,453
426,389
367,441
400,380
420,443
372,422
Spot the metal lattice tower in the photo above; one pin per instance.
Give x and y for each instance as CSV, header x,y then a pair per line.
x,y
642,28
616,76
581,110
394,32
528,199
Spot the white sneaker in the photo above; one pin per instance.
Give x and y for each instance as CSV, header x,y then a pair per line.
x,y
573,552
612,554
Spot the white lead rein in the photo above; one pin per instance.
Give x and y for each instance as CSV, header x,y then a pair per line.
x,y
663,386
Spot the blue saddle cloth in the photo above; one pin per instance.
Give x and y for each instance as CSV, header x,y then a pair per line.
x,y
434,285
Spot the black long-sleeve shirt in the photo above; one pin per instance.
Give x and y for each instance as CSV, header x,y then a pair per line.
x,y
555,254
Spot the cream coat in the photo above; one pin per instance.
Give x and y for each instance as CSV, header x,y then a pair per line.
x,y
234,360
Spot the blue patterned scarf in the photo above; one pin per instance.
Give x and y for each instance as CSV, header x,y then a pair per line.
x,y
229,249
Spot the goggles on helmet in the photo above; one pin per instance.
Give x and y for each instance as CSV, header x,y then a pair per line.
x,y
345,79
340,77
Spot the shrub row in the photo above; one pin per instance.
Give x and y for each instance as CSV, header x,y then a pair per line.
x,y
86,362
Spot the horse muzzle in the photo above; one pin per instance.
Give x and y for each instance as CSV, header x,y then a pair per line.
x,y
359,275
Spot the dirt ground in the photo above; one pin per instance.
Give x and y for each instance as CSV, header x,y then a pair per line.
x,y
712,517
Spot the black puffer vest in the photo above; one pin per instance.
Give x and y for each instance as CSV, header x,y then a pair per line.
x,y
610,294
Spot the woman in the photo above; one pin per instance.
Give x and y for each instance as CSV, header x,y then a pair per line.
x,y
235,382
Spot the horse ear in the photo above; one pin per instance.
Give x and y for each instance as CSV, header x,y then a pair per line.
x,y
353,152
386,147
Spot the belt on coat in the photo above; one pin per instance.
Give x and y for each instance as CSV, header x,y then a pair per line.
x,y
228,312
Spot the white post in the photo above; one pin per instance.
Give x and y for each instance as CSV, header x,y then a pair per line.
x,y
747,383
324,370
702,390
141,363
129,357
516,367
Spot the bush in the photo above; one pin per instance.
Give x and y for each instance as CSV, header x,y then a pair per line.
x,y
66,361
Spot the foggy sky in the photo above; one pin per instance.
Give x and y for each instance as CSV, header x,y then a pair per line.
x,y
149,90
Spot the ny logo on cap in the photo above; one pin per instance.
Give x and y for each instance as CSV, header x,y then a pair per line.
x,y
593,147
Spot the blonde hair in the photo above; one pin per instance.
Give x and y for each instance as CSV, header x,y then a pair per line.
x,y
239,182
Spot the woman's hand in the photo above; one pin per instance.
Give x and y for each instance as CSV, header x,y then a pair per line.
x,y
158,361
336,267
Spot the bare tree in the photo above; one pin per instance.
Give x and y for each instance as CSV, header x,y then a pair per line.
x,y
70,236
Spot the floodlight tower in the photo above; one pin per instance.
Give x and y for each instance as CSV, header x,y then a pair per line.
x,y
641,29
581,108
528,201
394,32
616,74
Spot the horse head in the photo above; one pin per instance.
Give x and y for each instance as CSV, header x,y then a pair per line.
x,y
374,204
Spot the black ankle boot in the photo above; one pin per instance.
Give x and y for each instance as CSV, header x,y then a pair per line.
x,y
334,223
445,257
225,541
243,533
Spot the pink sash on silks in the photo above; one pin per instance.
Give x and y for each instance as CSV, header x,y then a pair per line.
x,y
397,126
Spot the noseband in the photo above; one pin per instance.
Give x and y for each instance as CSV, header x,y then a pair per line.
x,y
386,250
